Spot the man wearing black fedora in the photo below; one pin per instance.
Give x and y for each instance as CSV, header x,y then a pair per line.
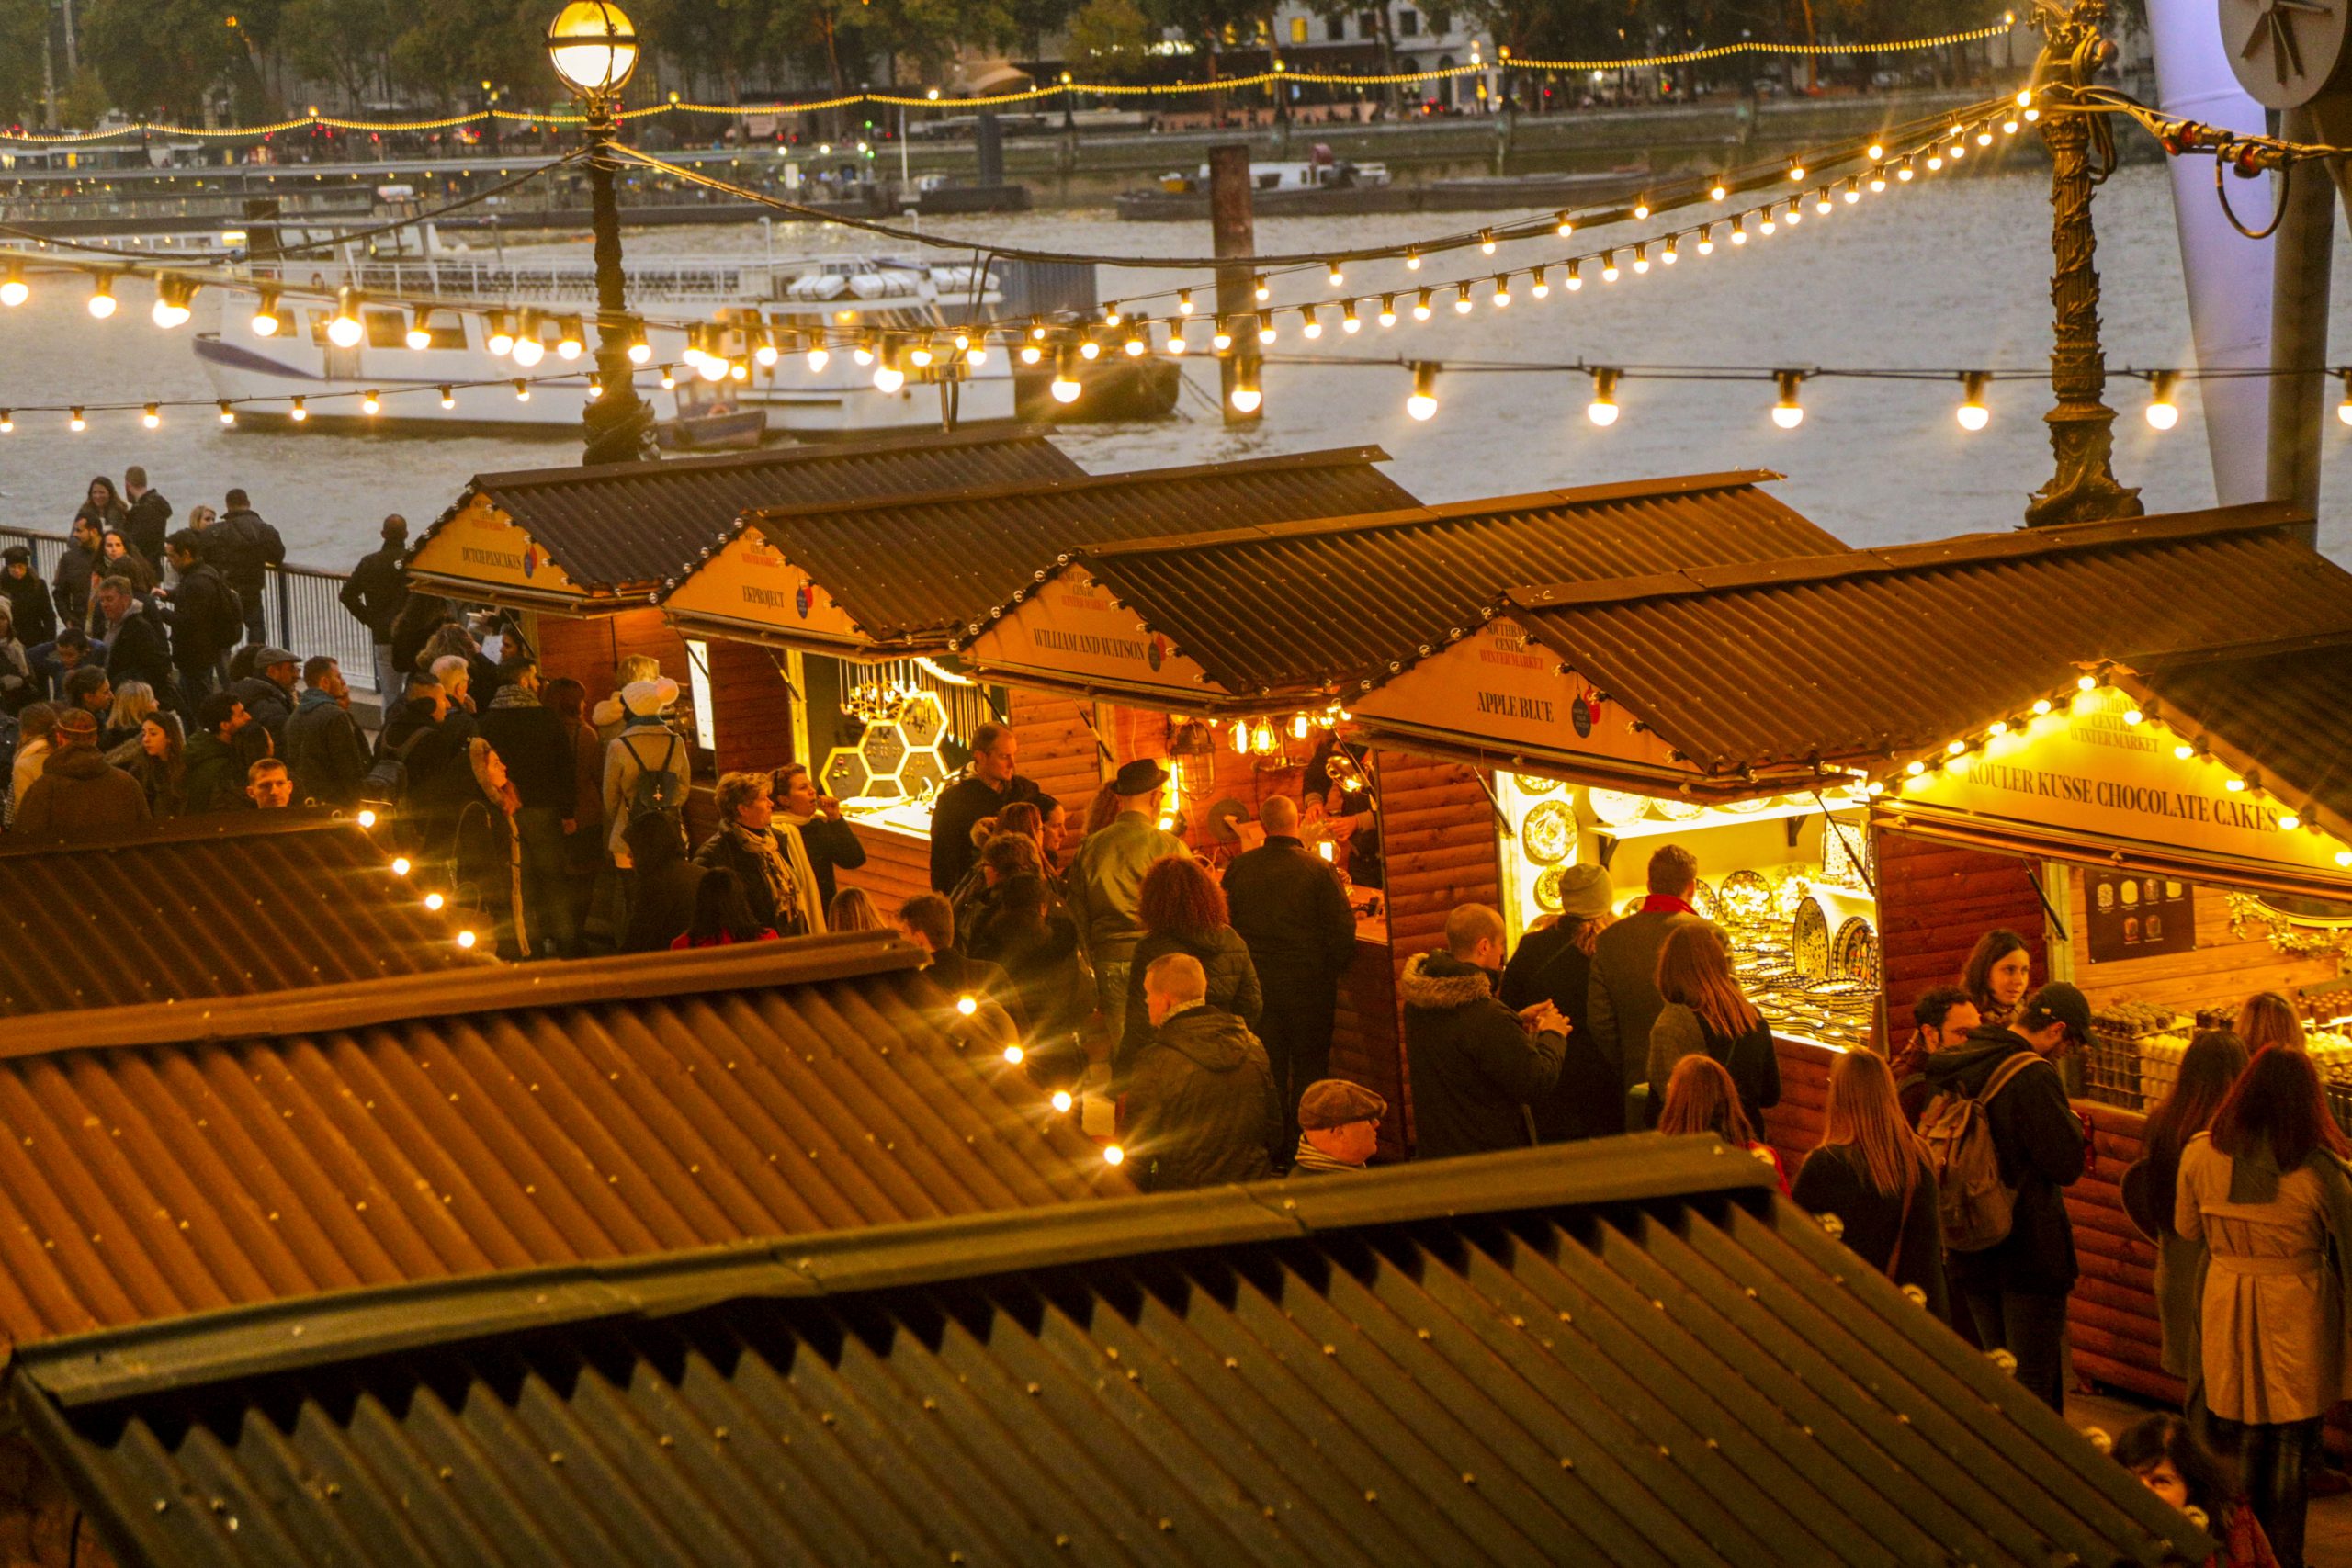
x,y
1106,880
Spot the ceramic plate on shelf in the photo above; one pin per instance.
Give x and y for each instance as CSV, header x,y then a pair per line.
x,y
1548,835
1617,807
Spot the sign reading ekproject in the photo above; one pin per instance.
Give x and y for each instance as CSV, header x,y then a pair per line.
x,y
2089,770
750,585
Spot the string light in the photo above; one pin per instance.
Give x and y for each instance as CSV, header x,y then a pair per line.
x,y
1423,404
500,339
888,372
371,402
171,296
1337,278
14,290
1422,306
2344,409
819,358
1538,285
1349,323
1640,259
1388,318
1501,297
570,341
297,411
1221,339
1576,276
228,414
1609,266
102,297
153,417
2163,411
449,398
1061,1101
1603,409
522,391
1066,386
1184,302
1971,414
1461,299
1788,413
1247,397
418,335
343,329
641,351
1310,324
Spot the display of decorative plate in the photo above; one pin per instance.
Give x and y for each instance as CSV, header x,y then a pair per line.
x,y
1548,834
1854,954
1790,892
1533,784
1616,807
1703,900
1547,890
1678,810
1745,896
1809,939
1745,808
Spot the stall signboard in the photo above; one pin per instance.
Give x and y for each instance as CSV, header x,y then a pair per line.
x,y
1510,691
1071,628
749,584
481,545
2129,915
2088,770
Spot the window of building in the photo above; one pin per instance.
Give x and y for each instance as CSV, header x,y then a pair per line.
x,y
386,329
1367,25
1335,29
1440,22
1408,23
1298,30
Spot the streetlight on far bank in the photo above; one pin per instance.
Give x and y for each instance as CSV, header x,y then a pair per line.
x,y
594,47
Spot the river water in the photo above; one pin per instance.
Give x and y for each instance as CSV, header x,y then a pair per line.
x,y
1948,273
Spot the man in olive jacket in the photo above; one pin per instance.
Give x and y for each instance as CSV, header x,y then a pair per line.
x,y
1201,1102
1622,1001
1106,884
1475,1065
1293,915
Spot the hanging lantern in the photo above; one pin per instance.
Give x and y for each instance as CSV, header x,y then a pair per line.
x,y
1299,727
1242,735
1261,739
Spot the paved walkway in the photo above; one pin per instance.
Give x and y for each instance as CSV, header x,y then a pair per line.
x,y
2328,1538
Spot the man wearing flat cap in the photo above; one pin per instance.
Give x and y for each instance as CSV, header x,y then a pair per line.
x,y
1338,1127
1106,882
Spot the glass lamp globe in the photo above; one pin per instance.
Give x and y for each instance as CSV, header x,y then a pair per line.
x,y
593,45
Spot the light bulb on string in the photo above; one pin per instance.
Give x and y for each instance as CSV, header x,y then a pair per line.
x,y
1061,1101
1642,210
1500,300
102,300
1874,151
449,397
1822,202
1971,414
1066,386
1422,306
1640,259
1487,242
74,422
1539,285
14,290
1266,327
1176,344
228,412
1461,299
1349,322
8,421
764,350
1671,253
1739,230
1334,276
862,351
570,339
1248,397
1796,214
1221,340
2163,411
1576,276
1603,409
641,352
1388,317
1183,301
2344,409
1796,173
1853,189
890,374
918,353
419,336
1423,404
522,391
297,411
1310,324
1903,173
371,401
1706,240
151,417
596,386
1765,225
1260,290
1138,339
1609,266
1412,260
819,355
1878,180
529,350
171,296
1984,136
1935,161
1563,225
498,333
710,367
343,328
1717,191
1788,413
977,355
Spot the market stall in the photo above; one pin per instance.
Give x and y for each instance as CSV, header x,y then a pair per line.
x,y
1245,649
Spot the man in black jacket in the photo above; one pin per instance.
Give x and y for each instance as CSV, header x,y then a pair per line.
x,y
1292,913
138,649
268,693
1201,1104
546,775
325,754
201,611
2015,1289
149,517
1621,998
1475,1065
33,611
244,548
376,592
76,565
990,786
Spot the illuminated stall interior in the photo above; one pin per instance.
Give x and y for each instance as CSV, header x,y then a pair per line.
x,y
1236,652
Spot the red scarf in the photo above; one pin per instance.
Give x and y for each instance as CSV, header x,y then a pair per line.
x,y
1667,902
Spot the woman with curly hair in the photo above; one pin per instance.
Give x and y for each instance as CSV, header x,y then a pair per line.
x,y
1181,910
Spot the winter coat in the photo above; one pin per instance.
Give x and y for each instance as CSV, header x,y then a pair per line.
x,y
1292,912
2039,1141
1202,1106
138,649
31,612
70,584
200,612
80,795
1106,884
23,769
1233,983
1587,1101
1754,1065
269,703
215,780
767,882
2279,1248
148,523
1475,1067
17,687
244,547
163,785
375,592
1046,975
641,744
832,846
662,905
1622,1003
1880,1227
530,738
961,807
325,751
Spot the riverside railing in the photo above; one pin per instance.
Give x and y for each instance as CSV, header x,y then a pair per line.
x,y
301,609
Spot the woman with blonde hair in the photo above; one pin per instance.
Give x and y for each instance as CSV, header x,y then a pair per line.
x,y
1699,1099
133,701
2266,1019
1871,1171
852,910
1707,1014
1553,962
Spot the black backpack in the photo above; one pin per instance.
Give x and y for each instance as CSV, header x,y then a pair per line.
x,y
387,779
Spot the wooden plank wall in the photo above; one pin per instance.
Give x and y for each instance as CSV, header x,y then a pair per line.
x,y
1793,1127
1438,833
751,709
2223,970
1934,901
587,648
2112,1314
1056,749
898,867
1365,1045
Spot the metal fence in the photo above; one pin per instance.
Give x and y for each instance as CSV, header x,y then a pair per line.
x,y
301,610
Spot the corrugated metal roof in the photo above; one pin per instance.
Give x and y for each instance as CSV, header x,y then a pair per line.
x,y
2280,705
628,526
191,1157
216,905
920,565
1623,1352
1297,606
1876,653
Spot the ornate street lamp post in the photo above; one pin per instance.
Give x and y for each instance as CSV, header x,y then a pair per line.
x,y
2084,489
595,50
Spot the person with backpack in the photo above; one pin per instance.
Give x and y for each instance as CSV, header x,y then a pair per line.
x,y
2003,1141
201,611
244,548
648,769
413,746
